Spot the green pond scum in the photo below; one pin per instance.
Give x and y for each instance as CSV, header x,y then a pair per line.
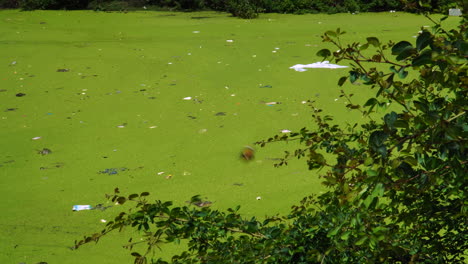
x,y
160,102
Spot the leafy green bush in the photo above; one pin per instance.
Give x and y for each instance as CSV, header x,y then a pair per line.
x,y
244,8
108,5
397,189
9,3
52,4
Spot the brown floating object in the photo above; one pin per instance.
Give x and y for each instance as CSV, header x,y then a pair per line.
x,y
248,153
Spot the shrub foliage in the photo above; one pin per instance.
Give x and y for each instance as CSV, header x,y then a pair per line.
x,y
396,188
247,8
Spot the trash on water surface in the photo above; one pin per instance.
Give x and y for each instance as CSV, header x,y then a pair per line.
x,y
187,98
323,64
285,131
272,103
161,172
103,220
112,171
44,151
82,207
259,198
229,40
36,138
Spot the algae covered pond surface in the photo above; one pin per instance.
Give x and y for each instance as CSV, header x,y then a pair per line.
x,y
160,102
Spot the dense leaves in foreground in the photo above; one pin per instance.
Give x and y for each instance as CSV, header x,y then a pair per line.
x,y
396,188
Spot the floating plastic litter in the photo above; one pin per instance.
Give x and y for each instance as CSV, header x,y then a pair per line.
x,y
323,64
82,207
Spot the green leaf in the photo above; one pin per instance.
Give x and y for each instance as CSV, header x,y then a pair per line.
x,y
334,231
330,33
324,53
364,47
345,235
390,119
361,241
353,76
373,41
400,47
121,200
342,80
144,194
132,196
402,73
371,173
423,40
406,53
424,58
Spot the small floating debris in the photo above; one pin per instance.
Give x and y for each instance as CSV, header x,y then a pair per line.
x,y
36,138
153,127
82,207
112,171
229,40
248,153
285,131
258,198
187,98
63,70
20,94
44,151
323,64
161,173
220,114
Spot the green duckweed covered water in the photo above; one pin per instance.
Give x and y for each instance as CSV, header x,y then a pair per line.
x,y
107,94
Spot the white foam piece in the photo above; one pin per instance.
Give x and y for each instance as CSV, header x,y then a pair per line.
x,y
323,64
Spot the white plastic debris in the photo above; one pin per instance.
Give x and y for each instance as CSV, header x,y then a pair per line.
x,y
259,198
153,127
161,173
187,98
229,40
103,220
36,138
285,131
82,207
196,32
323,64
